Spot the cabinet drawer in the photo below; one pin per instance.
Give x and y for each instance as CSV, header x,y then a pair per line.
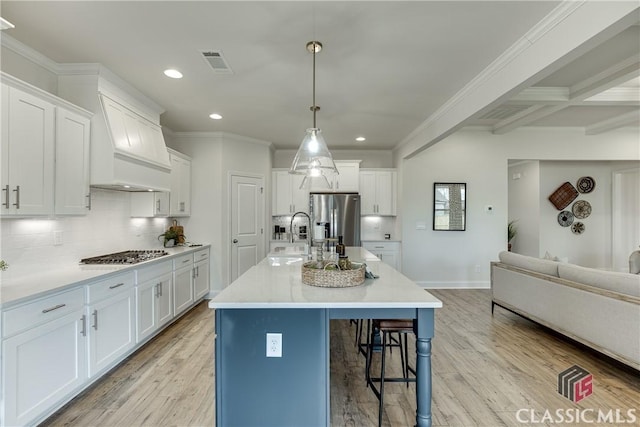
x,y
201,255
41,311
182,261
381,246
108,287
152,271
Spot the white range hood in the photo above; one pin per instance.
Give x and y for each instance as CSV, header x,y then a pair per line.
x,y
128,152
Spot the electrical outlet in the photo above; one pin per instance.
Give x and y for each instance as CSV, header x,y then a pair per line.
x,y
274,345
477,269
57,238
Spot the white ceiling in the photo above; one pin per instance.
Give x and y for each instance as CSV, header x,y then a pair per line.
x,y
385,67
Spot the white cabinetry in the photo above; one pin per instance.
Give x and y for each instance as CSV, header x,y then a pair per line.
x,y
387,251
111,309
153,299
27,154
347,180
43,355
182,283
180,198
72,163
378,192
149,204
200,273
287,196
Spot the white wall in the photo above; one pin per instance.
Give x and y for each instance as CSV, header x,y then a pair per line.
x,y
480,158
524,206
214,156
27,244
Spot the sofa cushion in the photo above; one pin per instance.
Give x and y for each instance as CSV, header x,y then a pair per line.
x,y
624,283
529,263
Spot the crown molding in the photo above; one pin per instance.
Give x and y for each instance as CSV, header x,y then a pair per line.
x,y
31,54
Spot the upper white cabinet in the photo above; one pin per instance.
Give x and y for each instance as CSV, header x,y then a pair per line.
x,y
72,163
28,135
288,197
150,204
378,192
45,153
347,180
180,198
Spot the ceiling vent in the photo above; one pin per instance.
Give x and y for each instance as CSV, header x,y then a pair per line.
x,y
216,61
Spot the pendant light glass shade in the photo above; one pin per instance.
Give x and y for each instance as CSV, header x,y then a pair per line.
x,y
313,159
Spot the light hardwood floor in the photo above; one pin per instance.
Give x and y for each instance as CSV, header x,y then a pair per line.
x,y
485,368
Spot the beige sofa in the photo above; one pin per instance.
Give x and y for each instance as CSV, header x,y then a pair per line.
x,y
598,308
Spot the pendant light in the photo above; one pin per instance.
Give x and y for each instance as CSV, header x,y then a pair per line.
x,y
313,159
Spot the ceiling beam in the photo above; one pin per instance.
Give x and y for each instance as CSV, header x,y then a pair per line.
x,y
615,75
569,31
627,119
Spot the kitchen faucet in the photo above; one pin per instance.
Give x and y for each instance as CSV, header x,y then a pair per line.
x,y
308,231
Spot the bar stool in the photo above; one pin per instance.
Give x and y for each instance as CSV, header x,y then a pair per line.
x,y
402,327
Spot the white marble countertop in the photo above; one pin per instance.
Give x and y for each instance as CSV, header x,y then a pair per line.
x,y
67,276
276,282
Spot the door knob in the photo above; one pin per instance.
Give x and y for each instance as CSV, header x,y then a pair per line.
x,y
235,240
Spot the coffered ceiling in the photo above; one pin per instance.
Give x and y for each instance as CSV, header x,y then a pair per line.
x,y
386,66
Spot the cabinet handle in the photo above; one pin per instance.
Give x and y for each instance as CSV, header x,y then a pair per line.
x,y
158,205
6,196
116,286
198,271
181,206
46,310
17,191
157,286
186,260
203,255
88,196
160,288
83,319
193,273
379,247
95,319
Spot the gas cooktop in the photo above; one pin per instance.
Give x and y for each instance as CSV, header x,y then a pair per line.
x,y
125,257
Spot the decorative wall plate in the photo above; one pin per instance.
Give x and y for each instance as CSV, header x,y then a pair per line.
x,y
586,184
581,209
565,218
563,196
577,228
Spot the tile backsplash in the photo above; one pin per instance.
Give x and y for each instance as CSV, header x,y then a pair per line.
x,y
29,243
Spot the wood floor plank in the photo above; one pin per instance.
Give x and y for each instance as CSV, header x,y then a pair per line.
x,y
486,367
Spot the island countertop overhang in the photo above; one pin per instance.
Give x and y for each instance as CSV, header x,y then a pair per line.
x,y
268,286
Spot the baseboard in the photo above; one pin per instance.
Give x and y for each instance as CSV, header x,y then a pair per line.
x,y
454,285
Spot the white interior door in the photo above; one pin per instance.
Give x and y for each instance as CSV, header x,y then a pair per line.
x,y
247,228
625,217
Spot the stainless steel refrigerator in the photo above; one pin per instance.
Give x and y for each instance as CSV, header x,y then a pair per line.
x,y
339,213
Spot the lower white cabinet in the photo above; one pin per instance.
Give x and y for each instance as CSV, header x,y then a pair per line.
x,y
153,301
55,346
387,251
112,321
47,361
182,284
201,273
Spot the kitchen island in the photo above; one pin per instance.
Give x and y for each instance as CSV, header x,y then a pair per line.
x,y
293,390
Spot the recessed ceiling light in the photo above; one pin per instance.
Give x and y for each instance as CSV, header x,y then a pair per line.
x,y
149,189
174,74
361,138
215,116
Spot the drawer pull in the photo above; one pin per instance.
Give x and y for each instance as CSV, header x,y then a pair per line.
x,y
95,319
379,247
46,310
186,260
84,325
116,286
6,196
203,255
